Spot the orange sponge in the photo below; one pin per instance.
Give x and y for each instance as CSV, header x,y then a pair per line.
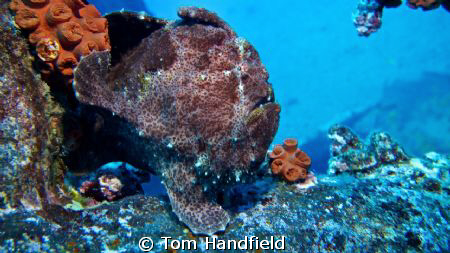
x,y
424,4
62,31
290,161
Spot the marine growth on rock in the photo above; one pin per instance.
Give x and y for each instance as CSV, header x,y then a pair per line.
x,y
367,16
30,128
350,154
200,99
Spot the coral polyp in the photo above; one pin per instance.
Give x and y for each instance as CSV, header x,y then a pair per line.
x,y
48,49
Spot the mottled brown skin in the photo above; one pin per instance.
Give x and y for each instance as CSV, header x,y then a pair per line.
x,y
182,88
195,89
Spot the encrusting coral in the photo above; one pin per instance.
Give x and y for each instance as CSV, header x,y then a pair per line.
x,y
368,15
62,31
289,161
111,182
350,154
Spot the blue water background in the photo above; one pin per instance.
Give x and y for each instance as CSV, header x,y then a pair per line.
x,y
323,73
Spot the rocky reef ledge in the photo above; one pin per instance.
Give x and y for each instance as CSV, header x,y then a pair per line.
x,y
399,207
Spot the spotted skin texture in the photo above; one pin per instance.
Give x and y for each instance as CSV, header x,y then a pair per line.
x,y
202,215
196,89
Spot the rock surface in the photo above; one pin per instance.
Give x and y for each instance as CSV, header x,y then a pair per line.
x,y
397,209
30,130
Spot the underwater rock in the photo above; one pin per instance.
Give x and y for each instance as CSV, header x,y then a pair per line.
x,y
349,154
31,168
62,31
200,101
367,17
110,182
385,149
342,140
387,212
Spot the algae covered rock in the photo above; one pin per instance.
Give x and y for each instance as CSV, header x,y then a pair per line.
x,y
30,129
395,212
352,155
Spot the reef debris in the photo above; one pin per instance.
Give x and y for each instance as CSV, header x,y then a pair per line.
x,y
368,13
367,17
110,182
350,154
198,96
62,31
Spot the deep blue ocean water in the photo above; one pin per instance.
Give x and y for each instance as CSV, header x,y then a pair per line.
x,y
397,80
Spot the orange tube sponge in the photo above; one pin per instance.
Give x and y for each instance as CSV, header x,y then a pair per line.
x,y
58,13
290,161
63,31
424,4
75,4
85,48
70,33
66,63
27,19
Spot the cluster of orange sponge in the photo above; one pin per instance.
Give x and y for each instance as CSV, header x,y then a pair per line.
x,y
290,161
62,31
424,4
